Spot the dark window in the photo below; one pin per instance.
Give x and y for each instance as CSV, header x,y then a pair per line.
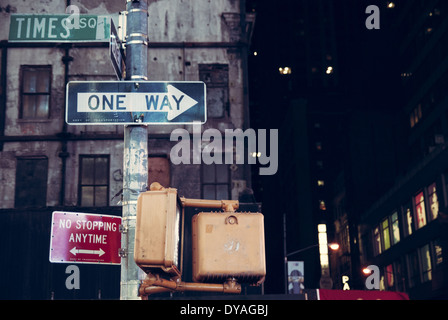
x,y
31,182
94,181
35,92
413,269
215,181
216,78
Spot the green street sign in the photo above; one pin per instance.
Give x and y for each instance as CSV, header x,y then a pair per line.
x,y
59,28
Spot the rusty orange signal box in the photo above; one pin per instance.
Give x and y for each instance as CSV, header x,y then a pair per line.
x,y
228,246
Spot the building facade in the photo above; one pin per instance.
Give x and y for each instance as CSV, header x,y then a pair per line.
x,y
296,74
404,231
47,164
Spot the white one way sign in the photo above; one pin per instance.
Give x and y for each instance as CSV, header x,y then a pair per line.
x,y
174,102
122,102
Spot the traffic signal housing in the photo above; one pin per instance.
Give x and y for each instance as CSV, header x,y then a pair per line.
x,y
227,246
157,246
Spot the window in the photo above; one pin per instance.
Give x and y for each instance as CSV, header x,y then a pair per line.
x,y
377,241
399,277
409,219
390,279
386,234
215,181
433,201
31,182
320,183
413,269
415,115
425,255
438,257
395,228
35,92
216,77
322,205
94,181
419,201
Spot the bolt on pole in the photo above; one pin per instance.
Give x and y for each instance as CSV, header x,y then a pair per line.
x,y
135,155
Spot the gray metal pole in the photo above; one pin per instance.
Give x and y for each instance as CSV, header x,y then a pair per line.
x,y
135,160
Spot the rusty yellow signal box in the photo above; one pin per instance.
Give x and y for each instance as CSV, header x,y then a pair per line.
x,y
228,246
157,232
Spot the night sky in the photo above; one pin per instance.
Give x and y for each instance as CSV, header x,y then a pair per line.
x,y
363,56
368,79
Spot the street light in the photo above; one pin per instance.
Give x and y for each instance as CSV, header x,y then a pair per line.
x,y
366,271
370,270
333,246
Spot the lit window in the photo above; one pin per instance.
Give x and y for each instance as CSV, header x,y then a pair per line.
x,y
323,247
390,276
321,228
391,5
386,237
438,257
409,220
433,201
420,209
395,228
320,183
377,240
425,255
322,205
415,115
285,70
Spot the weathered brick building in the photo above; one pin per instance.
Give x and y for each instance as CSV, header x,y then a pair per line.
x,y
47,164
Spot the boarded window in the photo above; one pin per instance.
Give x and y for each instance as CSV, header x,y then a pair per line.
x,y
35,92
94,181
31,182
159,171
